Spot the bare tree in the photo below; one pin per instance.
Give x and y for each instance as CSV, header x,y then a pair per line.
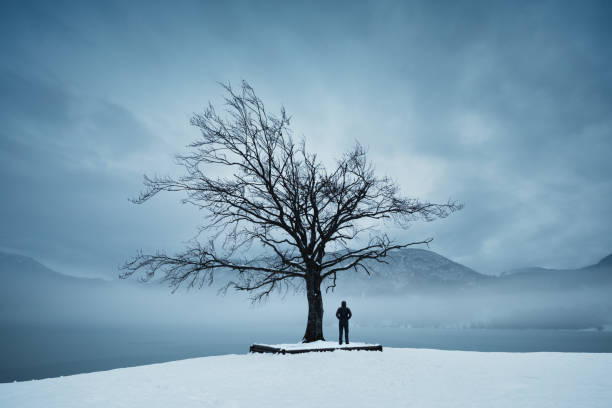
x,y
278,195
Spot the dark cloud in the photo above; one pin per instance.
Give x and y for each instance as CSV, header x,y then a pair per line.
x,y
504,106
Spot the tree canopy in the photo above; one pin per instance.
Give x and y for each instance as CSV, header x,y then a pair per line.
x,y
307,218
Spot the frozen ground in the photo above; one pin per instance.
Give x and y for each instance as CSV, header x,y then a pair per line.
x,y
393,378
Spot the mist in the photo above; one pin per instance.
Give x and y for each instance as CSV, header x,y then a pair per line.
x,y
117,303
53,324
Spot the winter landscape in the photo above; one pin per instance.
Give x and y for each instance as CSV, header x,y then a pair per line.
x,y
397,377
344,204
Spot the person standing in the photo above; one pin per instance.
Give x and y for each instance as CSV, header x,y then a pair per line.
x,y
343,314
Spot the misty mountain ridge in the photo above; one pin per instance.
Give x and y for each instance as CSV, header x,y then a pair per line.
x,y
403,270
414,288
19,267
30,291
409,269
13,263
605,262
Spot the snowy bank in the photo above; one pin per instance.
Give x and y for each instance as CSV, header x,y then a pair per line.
x,y
393,378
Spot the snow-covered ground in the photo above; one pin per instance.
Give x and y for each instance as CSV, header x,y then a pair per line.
x,y
393,378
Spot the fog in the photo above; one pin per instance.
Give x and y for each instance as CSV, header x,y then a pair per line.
x,y
53,324
99,303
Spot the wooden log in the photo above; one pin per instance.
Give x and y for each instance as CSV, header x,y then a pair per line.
x,y
258,348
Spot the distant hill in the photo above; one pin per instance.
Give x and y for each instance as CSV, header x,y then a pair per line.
x,y
405,270
556,279
419,270
18,264
415,287
29,290
410,269
22,271
605,262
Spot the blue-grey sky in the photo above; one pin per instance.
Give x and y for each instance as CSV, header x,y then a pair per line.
x,y
505,106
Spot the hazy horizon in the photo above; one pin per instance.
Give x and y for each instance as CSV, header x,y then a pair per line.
x,y
112,277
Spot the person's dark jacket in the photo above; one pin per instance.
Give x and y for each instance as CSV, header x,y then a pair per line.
x,y
343,314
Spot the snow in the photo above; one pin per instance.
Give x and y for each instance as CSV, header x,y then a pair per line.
x,y
316,345
393,378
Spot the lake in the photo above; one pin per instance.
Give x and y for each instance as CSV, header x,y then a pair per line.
x,y
34,352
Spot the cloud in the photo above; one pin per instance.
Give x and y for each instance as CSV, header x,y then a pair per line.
x,y
68,162
504,107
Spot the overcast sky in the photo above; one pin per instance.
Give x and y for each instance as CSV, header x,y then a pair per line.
x,y
505,107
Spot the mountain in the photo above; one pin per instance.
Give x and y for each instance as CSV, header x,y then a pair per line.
x,y
556,279
31,291
605,262
14,266
17,271
410,269
414,287
418,270
404,270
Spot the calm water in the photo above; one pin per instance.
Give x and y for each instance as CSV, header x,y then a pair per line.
x,y
51,351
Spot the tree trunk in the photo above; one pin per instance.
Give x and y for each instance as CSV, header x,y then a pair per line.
x,y
314,327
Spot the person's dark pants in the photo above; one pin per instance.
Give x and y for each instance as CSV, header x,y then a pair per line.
x,y
343,326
